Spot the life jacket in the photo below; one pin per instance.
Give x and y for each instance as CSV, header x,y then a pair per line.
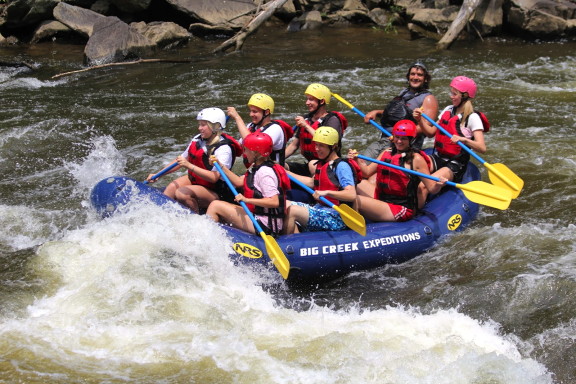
x,y
307,147
201,158
325,178
250,191
402,106
279,154
451,123
394,186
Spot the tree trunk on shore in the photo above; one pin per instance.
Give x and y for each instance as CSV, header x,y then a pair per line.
x,y
265,13
466,11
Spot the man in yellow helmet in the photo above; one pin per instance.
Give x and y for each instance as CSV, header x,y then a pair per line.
x,y
261,107
334,178
317,99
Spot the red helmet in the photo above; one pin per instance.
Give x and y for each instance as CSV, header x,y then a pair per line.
x,y
259,142
464,85
405,128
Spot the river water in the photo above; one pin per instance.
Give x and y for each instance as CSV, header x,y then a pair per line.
x,y
151,296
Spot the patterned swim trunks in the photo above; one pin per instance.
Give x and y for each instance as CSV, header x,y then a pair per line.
x,y
322,218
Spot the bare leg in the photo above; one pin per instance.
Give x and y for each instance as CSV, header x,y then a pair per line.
x,y
375,210
171,189
295,213
195,196
222,211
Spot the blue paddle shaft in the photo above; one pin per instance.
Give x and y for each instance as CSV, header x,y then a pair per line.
x,y
450,135
310,190
243,204
162,172
404,169
362,114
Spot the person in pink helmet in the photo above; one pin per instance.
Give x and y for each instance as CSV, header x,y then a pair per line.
x,y
460,119
395,197
264,187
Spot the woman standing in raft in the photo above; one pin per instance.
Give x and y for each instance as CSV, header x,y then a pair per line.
x,y
264,190
395,197
202,184
335,179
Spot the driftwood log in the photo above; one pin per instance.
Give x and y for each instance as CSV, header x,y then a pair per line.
x,y
263,14
466,12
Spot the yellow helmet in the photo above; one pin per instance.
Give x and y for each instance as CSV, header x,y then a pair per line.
x,y
326,135
319,91
262,101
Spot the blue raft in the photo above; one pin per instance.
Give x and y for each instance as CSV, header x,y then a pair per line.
x,y
321,256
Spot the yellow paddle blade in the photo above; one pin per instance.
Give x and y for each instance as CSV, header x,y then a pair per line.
x,y
486,194
341,99
351,218
276,255
501,175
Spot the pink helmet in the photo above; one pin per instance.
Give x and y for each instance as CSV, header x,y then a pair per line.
x,y
464,84
259,142
405,128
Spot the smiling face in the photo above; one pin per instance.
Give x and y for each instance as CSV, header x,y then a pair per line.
x,y
256,114
312,103
204,129
416,77
455,96
402,143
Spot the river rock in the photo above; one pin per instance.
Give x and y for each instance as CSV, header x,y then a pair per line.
x,y
230,13
163,34
23,13
113,40
50,29
542,18
79,19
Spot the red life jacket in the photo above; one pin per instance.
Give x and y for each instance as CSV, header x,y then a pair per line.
x,y
200,158
394,186
250,191
307,147
325,178
451,123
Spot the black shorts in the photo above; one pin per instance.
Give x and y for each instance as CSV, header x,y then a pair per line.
x,y
457,164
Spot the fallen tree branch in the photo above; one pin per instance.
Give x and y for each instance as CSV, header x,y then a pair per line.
x,y
466,11
238,40
139,61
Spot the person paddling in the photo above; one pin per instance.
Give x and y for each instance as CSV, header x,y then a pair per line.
x,y
464,123
335,179
261,108
202,184
395,197
264,190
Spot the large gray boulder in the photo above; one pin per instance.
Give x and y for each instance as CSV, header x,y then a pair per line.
x,y
542,18
163,34
81,20
232,13
113,40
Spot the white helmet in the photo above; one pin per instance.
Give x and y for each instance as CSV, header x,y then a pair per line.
x,y
213,115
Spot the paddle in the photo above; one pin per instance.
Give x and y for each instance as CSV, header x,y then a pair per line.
x,y
350,217
499,174
162,172
272,248
359,112
476,191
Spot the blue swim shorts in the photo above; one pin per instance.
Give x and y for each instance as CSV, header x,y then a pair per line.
x,y
322,218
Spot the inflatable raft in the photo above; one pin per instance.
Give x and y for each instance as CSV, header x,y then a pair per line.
x,y
321,256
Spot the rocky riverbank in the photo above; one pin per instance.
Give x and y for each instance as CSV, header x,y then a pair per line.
x,y
118,30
